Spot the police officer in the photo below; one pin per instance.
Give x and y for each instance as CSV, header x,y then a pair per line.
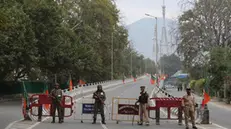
x,y
188,104
143,104
56,95
99,97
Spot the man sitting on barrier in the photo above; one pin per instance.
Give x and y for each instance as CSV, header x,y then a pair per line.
x,y
189,105
99,97
143,104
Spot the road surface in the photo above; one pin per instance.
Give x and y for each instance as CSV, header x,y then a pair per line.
x,y
129,90
9,112
218,116
12,111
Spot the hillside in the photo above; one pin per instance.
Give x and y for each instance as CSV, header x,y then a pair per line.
x,y
141,33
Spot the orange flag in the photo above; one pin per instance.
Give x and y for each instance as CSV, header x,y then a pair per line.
x,y
134,79
206,98
70,85
152,81
47,106
81,82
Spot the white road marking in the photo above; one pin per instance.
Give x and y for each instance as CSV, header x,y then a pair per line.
x,y
8,127
74,93
219,126
31,127
104,126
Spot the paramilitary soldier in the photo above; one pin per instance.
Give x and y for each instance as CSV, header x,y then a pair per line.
x,y
143,104
56,95
99,97
189,104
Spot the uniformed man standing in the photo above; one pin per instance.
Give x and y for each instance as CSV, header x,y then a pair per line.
x,y
99,97
56,95
188,104
143,104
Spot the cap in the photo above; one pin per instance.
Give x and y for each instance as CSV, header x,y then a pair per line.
x,y
142,86
188,88
56,84
99,86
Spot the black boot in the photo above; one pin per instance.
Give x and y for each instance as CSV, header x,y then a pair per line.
x,y
194,127
39,119
94,121
140,123
103,121
60,120
53,121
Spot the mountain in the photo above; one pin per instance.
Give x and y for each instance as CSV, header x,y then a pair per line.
x,y
141,33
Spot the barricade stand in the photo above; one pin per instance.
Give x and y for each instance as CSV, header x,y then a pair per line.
x,y
166,103
124,109
66,103
84,110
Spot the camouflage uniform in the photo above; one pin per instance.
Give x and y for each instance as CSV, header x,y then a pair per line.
x,y
57,95
99,97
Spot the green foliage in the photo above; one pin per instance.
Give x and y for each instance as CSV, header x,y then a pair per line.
x,y
40,38
192,84
204,45
199,85
170,64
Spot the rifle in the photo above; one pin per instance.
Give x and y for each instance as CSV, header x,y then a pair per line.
x,y
57,99
99,98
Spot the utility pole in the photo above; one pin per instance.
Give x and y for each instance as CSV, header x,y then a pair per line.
x,y
112,52
225,81
155,40
157,49
131,46
164,34
131,64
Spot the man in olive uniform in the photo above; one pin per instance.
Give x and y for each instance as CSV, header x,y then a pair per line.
x,y
143,104
99,97
56,95
188,105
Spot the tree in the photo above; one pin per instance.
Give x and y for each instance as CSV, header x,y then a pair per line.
x,y
43,38
18,45
170,64
205,28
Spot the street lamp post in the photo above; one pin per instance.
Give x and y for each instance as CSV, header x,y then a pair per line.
x,y
112,49
156,39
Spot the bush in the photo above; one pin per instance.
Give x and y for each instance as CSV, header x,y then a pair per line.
x,y
199,84
192,84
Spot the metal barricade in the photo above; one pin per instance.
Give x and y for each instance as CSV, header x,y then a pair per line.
x,y
38,101
83,110
124,109
166,104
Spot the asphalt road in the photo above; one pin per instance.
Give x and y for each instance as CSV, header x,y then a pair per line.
x,y
218,116
129,90
9,112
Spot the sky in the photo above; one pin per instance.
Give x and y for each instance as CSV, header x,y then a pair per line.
x,y
133,10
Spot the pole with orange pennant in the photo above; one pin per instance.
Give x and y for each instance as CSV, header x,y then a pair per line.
x,y
47,106
70,84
